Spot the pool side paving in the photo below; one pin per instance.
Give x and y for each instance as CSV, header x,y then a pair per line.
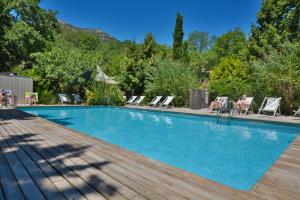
x,y
204,111
40,159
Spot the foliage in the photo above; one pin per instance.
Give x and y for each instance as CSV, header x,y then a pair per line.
x,y
72,38
171,78
133,79
149,47
47,96
200,41
104,94
231,44
139,60
278,74
25,28
59,70
277,21
178,38
230,78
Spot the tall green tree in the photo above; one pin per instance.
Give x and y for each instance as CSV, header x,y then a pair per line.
x,y
149,47
277,21
178,37
233,43
133,79
25,28
198,41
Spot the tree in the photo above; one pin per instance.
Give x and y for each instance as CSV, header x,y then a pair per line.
x,y
60,70
277,21
198,41
171,78
178,37
233,43
25,29
134,77
149,47
230,78
278,74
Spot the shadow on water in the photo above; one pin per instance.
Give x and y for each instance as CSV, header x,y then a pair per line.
x,y
63,122
44,160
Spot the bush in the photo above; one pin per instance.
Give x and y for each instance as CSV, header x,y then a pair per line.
x,y
230,78
278,74
47,97
104,94
171,78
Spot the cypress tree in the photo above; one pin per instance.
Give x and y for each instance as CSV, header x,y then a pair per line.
x,y
178,37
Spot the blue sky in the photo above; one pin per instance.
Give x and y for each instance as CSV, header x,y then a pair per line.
x,y
132,19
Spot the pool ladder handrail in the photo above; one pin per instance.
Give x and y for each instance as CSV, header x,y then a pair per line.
x,y
227,109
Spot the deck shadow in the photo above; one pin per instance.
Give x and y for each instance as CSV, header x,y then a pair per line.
x,y
39,161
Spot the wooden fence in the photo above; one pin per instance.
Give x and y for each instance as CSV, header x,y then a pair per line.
x,y
199,99
18,86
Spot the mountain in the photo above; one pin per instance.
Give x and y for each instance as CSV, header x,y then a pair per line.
x,y
103,36
82,39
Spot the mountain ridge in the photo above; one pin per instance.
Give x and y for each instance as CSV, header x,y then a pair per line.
x,y
102,35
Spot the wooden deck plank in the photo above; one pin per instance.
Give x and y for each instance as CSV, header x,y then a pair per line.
x,y
27,185
80,169
64,186
75,180
45,185
10,187
1,192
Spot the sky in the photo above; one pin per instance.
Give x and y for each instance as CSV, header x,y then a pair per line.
x,y
133,19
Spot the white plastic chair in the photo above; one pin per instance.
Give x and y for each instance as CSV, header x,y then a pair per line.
x,y
168,102
270,104
63,98
77,98
139,100
155,101
297,112
131,100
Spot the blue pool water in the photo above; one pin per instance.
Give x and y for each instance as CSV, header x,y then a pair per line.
x,y
236,154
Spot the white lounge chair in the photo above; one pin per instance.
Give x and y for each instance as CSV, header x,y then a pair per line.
x,y
270,104
168,102
63,98
155,101
223,101
246,108
297,112
139,100
131,100
77,98
8,92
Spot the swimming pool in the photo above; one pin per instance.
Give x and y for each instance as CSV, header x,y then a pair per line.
x,y
236,154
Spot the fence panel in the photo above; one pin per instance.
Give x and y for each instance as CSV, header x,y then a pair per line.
x,y
18,85
198,99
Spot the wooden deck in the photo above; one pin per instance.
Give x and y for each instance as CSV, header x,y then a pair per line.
x,y
43,160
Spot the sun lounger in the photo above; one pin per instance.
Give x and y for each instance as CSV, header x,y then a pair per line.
x,y
139,100
168,102
77,98
270,104
63,98
246,108
297,112
222,104
131,100
155,101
